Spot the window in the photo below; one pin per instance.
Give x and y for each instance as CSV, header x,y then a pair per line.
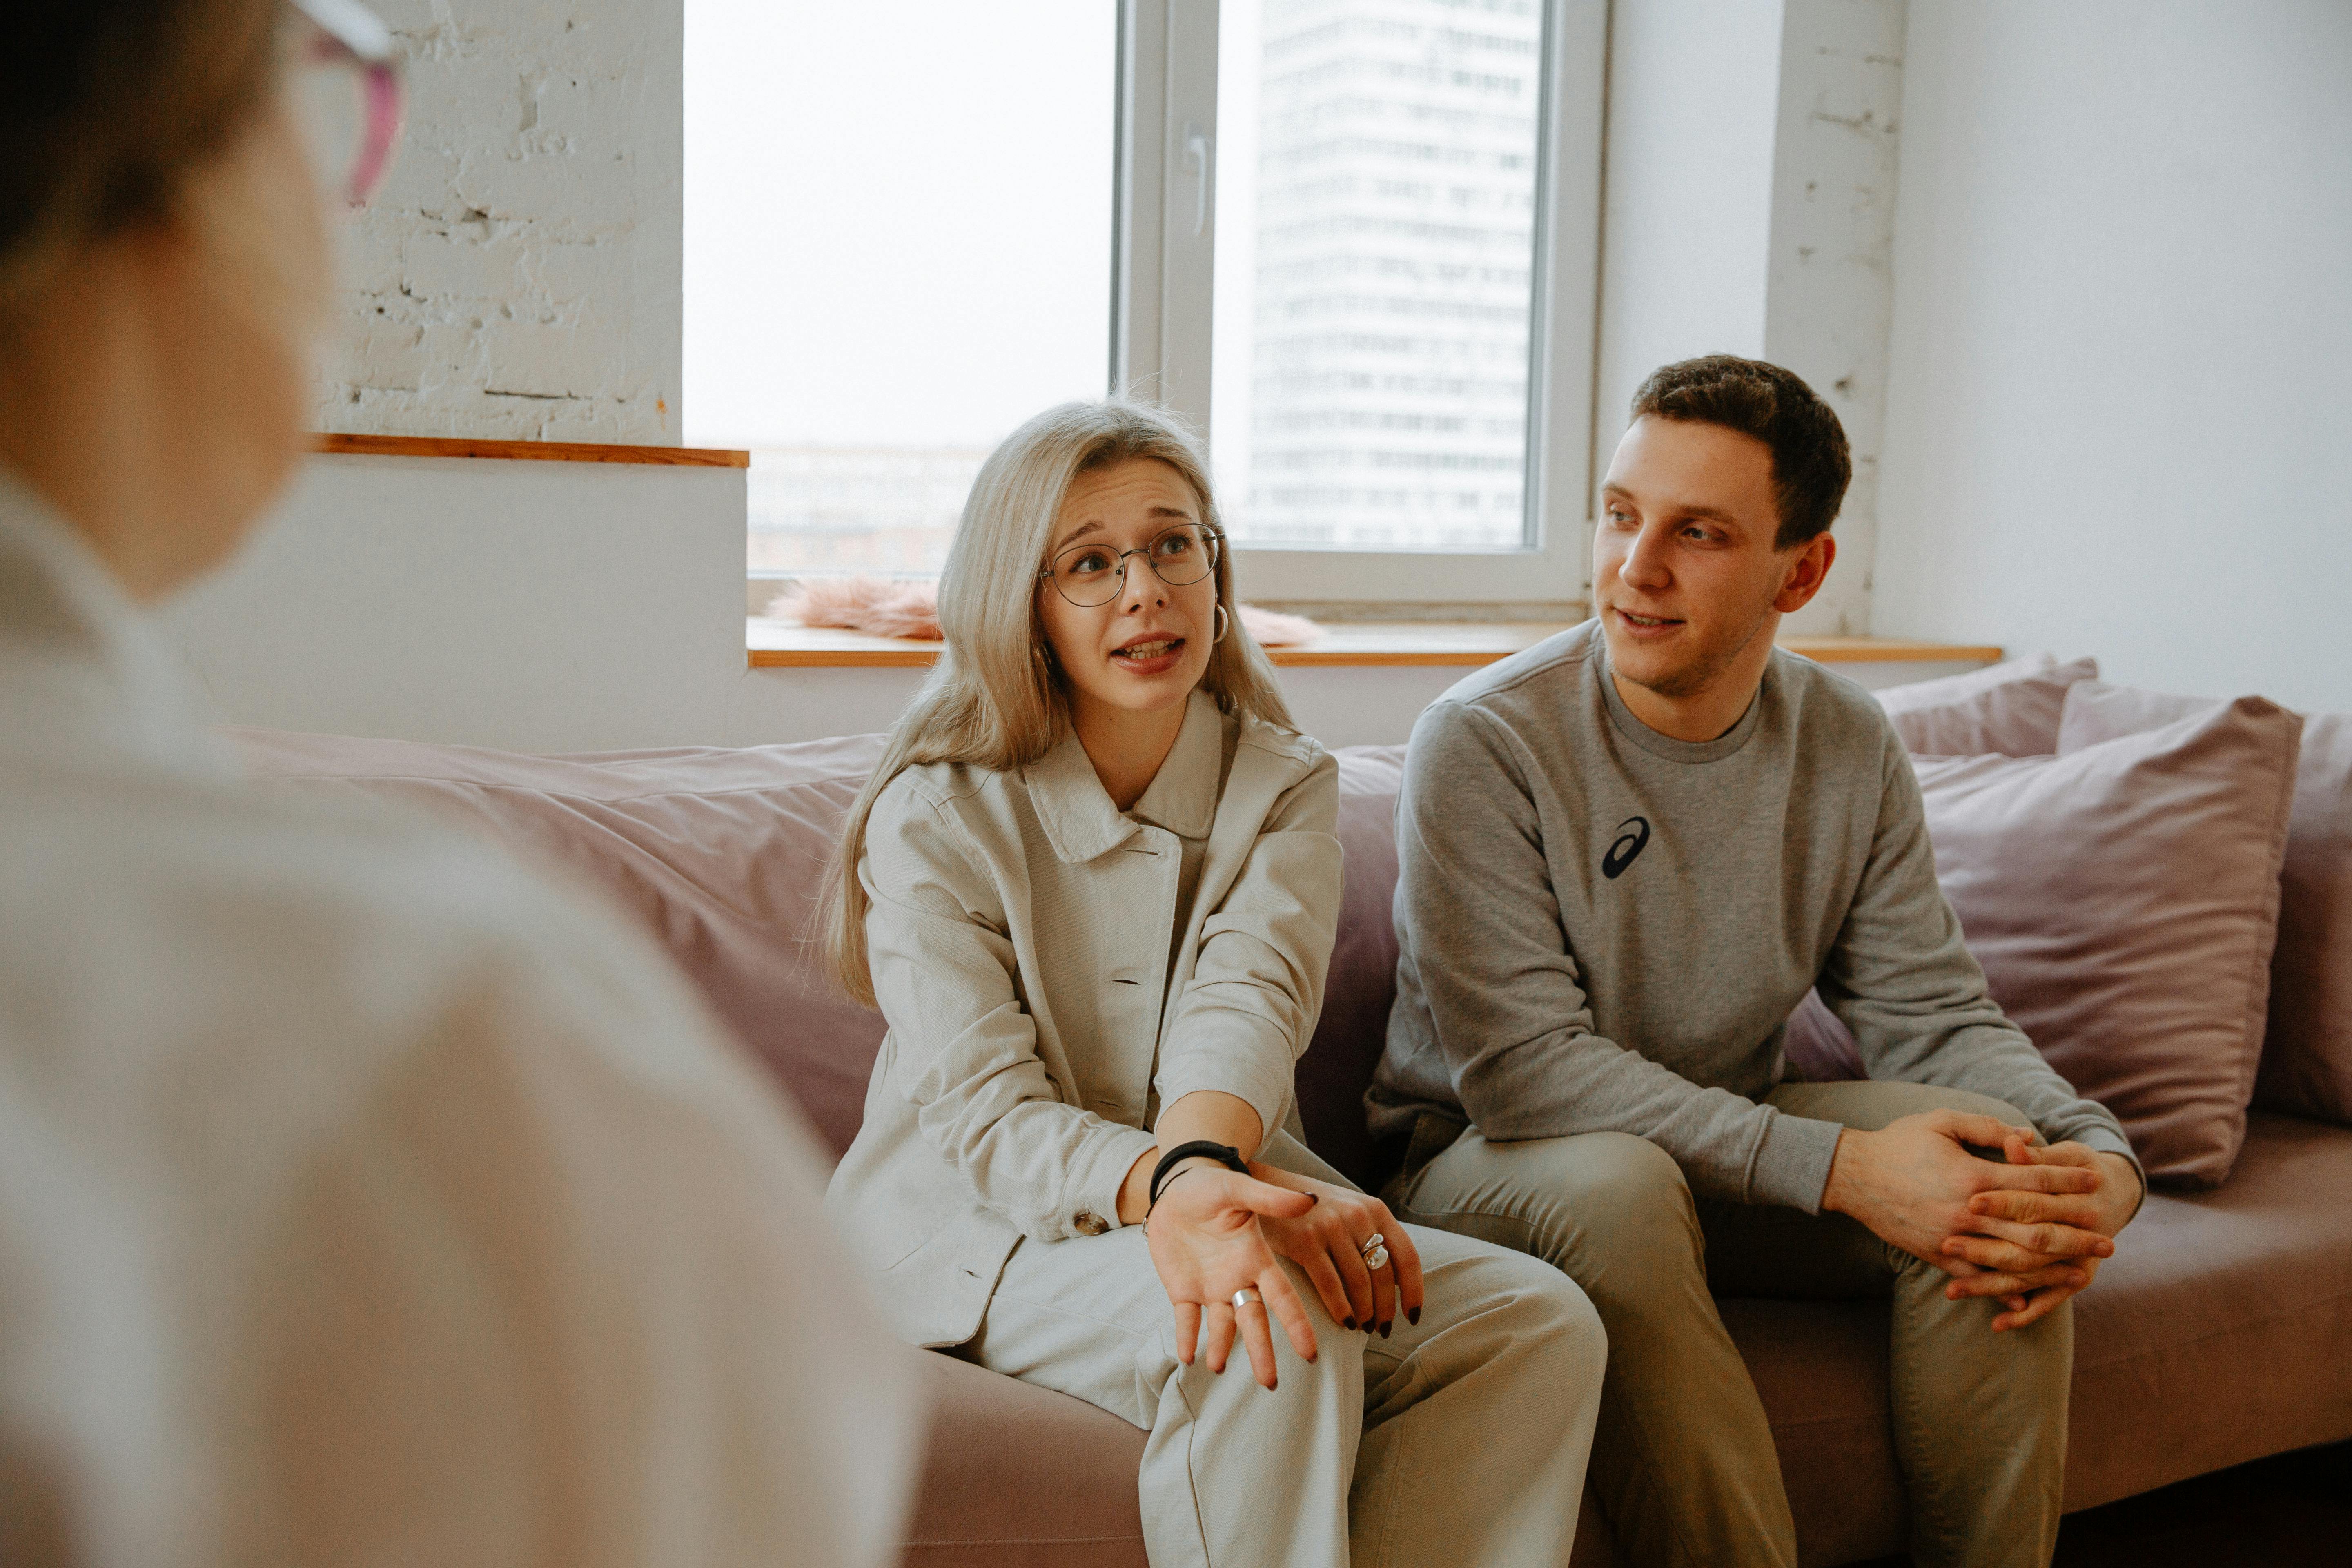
x,y
898,247
1353,240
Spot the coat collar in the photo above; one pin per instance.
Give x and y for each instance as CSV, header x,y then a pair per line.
x,y
1077,811
81,664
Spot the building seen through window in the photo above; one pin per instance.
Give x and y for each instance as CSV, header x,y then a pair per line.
x,y
1375,267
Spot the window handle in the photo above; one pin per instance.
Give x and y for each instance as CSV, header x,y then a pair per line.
x,y
1196,163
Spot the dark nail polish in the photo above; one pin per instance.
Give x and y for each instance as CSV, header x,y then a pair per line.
x,y
1386,1327
1413,1316
1348,1321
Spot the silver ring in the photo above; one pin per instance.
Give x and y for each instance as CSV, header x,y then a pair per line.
x,y
1375,1251
1245,1297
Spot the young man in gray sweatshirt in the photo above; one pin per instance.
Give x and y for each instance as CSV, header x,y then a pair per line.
x,y
1625,855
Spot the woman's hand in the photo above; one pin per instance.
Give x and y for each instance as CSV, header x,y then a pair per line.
x,y
1330,1241
1208,1239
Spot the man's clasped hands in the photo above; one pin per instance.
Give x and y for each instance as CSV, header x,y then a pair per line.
x,y
2030,1228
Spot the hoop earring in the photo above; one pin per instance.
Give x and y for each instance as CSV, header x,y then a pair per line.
x,y
1224,622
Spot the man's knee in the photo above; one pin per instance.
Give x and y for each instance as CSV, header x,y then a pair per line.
x,y
1592,1200
1616,1181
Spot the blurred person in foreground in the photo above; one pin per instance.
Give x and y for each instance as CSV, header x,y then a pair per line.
x,y
362,1199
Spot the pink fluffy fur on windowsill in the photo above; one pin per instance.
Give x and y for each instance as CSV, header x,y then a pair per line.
x,y
882,608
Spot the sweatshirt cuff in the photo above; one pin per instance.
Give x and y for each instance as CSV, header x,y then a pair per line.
x,y
2107,1141
1793,1162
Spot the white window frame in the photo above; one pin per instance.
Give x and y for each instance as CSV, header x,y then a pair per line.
x,y
1163,257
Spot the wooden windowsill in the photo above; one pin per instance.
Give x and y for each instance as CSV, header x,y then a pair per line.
x,y
530,451
780,645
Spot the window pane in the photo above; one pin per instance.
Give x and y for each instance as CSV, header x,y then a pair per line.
x,y
898,248
1376,193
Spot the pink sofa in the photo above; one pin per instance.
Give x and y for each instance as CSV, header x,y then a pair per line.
x,y
2221,1331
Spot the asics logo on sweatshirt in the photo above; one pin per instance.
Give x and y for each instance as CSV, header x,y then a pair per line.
x,y
1627,846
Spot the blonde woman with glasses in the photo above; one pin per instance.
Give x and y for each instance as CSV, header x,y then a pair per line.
x,y
1092,887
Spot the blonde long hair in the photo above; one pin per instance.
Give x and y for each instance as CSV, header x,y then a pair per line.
x,y
993,699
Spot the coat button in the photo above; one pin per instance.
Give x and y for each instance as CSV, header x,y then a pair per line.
x,y
1090,1224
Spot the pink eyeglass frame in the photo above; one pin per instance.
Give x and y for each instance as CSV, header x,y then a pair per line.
x,y
349,31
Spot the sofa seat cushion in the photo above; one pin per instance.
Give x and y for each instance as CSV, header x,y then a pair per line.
x,y
1820,1368
1023,1477
2221,1329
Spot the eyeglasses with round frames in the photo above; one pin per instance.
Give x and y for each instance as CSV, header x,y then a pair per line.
x,y
1092,575
348,93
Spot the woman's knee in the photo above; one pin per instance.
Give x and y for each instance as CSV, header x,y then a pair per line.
x,y
1575,1333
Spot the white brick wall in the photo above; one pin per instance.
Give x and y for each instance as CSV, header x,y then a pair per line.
x,y
1829,290
519,275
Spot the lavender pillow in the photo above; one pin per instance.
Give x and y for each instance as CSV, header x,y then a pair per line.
x,y
718,853
2306,1067
2011,709
2122,899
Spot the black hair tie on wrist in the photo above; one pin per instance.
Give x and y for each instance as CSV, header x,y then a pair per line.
x,y
1226,1154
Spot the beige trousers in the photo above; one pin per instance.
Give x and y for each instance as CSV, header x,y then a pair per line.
x,y
1463,1440
1683,1464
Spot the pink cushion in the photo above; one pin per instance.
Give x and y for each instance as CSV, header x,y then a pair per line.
x,y
2307,1054
2011,708
2123,900
719,852
1820,1048
1339,1061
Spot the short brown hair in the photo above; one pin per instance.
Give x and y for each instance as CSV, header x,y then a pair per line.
x,y
1810,465
105,105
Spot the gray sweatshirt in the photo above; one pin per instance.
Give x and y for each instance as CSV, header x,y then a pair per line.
x,y
1601,929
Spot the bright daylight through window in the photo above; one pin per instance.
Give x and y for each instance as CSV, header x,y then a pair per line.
x,y
899,243
898,248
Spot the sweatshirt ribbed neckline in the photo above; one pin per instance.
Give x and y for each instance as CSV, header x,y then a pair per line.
x,y
1723,745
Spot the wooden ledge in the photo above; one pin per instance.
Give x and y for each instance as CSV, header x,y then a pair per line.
x,y
785,644
530,451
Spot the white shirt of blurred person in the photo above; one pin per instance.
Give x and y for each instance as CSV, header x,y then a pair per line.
x,y
361,1197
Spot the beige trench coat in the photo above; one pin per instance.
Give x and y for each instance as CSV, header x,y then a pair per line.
x,y
1054,972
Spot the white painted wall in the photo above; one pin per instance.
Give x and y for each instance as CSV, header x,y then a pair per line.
x,y
1693,95
518,276
1751,193
2119,417
526,606
1828,293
